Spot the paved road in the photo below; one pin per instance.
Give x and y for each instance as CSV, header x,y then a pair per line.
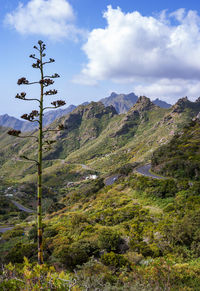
x,y
144,170
4,229
111,180
21,207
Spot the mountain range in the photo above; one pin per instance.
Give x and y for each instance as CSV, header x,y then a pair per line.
x,y
121,102
99,137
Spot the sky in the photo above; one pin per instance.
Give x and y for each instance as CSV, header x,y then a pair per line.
x,y
151,48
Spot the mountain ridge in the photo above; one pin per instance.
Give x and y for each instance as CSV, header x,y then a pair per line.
x,y
121,102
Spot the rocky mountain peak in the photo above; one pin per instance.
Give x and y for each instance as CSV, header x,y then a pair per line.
x,y
121,102
180,105
143,104
113,94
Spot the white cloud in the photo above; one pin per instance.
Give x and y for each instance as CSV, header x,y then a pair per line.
x,y
136,48
51,18
169,90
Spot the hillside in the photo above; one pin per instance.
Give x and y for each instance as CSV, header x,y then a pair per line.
x,y
137,232
180,157
97,136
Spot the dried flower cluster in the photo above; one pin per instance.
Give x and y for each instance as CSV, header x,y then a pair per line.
x,y
36,65
51,92
43,46
14,132
22,95
46,82
58,103
31,116
23,81
55,76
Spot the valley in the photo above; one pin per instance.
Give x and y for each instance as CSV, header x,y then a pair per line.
x,y
120,197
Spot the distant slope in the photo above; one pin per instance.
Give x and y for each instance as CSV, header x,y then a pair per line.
x,y
161,103
123,102
12,122
49,117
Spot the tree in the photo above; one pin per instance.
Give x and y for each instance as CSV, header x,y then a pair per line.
x,y
37,116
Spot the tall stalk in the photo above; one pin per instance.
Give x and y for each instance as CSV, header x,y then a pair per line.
x,y
37,116
39,194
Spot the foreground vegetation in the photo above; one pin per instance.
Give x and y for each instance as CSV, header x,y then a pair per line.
x,y
138,233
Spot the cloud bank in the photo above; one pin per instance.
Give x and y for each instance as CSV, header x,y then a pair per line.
x,y
160,53
51,18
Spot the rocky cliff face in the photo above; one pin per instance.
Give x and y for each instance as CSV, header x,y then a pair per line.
x,y
184,103
143,104
94,110
180,105
181,113
135,115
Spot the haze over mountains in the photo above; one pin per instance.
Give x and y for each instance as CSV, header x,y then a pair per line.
x,y
121,102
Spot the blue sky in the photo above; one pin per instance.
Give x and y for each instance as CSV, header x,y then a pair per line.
x,y
151,48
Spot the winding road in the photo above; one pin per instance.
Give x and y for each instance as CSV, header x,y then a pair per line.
x,y
4,229
144,170
111,180
20,207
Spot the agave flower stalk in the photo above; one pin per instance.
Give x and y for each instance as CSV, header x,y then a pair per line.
x,y
37,116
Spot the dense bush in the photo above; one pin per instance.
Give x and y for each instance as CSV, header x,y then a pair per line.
x,y
114,260
76,254
109,240
15,232
19,251
180,158
154,187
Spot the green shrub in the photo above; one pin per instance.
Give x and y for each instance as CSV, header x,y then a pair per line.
x,y
76,254
109,240
50,232
15,232
19,251
114,260
32,234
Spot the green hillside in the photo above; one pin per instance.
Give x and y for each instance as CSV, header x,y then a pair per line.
x,y
138,233
180,158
